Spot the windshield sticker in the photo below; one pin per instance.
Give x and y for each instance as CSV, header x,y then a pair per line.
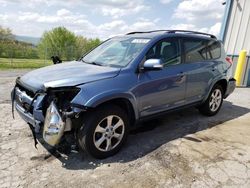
x,y
142,41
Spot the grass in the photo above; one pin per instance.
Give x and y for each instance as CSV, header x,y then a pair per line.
x,y
7,63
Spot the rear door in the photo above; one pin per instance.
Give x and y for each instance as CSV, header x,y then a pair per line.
x,y
201,69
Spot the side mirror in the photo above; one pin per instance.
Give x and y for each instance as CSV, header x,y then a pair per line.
x,y
152,64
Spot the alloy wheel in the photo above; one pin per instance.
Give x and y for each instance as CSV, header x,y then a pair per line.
x,y
215,100
109,133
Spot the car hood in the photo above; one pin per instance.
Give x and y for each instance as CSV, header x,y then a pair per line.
x,y
66,74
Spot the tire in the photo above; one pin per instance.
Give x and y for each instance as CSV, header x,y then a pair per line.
x,y
213,103
104,131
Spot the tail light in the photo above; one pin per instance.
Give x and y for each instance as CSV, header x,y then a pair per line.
x,y
229,60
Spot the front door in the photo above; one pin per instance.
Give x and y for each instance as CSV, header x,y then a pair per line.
x,y
160,90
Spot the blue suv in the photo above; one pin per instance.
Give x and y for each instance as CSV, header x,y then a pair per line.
x,y
121,82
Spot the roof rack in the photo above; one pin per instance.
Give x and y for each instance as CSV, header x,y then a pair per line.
x,y
139,32
174,31
191,32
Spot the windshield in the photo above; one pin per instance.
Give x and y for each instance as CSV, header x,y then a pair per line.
x,y
116,52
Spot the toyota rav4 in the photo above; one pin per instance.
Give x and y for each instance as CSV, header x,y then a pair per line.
x,y
123,81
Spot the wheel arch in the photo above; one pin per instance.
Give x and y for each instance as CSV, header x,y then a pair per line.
x,y
222,82
123,103
126,101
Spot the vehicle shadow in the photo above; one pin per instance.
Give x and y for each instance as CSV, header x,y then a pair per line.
x,y
151,135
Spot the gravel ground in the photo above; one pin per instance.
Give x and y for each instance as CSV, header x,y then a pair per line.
x,y
182,149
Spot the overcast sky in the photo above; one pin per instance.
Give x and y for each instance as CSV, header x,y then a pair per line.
x,y
105,18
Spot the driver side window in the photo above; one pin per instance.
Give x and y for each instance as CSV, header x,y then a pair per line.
x,y
167,50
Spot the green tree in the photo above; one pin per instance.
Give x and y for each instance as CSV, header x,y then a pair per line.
x,y
59,41
6,42
6,34
84,45
65,44
92,43
11,48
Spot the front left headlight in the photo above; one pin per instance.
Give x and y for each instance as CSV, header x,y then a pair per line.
x,y
53,125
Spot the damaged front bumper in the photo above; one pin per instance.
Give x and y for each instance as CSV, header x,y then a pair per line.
x,y
30,109
23,102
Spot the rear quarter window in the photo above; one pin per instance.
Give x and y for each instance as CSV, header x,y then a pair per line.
x,y
213,50
195,50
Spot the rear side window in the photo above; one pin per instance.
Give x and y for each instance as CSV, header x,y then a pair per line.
x,y
201,50
195,50
213,50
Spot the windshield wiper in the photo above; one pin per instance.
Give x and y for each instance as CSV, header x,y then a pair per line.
x,y
96,63
93,63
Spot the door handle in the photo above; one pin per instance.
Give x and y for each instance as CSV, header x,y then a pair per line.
x,y
181,74
214,68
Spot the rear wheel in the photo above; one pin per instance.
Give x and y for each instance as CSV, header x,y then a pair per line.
x,y
213,103
104,131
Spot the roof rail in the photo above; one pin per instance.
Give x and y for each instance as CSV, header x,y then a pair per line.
x,y
139,32
173,31
192,32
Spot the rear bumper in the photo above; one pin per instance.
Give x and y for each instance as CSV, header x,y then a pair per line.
x,y
230,87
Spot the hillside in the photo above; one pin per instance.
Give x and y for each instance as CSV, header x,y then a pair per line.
x,y
27,39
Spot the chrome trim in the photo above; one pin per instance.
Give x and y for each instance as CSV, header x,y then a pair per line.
x,y
23,97
35,118
28,117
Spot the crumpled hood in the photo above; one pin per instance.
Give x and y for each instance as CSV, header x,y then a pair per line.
x,y
66,74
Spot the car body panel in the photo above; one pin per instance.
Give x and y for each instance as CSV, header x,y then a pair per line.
x,y
66,74
155,89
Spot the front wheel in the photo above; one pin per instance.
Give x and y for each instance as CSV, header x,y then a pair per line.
x,y
104,131
213,103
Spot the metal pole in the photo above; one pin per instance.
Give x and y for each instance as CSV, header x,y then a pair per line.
x,y
240,66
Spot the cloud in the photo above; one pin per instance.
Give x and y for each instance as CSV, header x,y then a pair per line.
x,y
131,7
197,11
79,24
118,27
103,18
183,27
3,17
117,24
203,16
62,16
63,12
165,1
113,8
119,12
215,29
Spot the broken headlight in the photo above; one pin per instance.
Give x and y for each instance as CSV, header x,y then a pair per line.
x,y
53,125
